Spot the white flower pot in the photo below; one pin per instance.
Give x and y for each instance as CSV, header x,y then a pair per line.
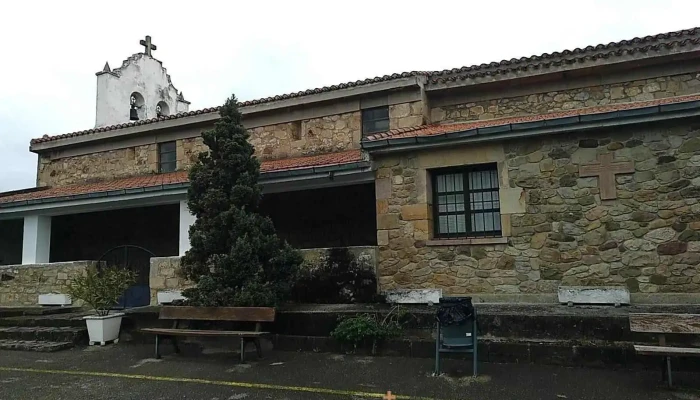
x,y
103,329
54,299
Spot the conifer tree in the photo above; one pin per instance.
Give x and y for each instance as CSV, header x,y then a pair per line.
x,y
236,258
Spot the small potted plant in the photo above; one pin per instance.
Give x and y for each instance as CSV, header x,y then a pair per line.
x,y
101,289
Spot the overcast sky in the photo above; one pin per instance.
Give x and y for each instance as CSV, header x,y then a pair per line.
x,y
51,49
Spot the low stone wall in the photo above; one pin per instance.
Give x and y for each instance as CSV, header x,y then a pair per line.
x,y
165,270
21,285
165,276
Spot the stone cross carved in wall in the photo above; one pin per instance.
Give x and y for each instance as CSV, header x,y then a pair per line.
x,y
606,170
148,45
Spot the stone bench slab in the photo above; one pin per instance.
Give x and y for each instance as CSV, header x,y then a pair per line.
x,y
615,295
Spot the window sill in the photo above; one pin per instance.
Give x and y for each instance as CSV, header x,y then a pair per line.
x,y
466,241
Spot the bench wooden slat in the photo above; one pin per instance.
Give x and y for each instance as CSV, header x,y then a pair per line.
x,y
199,332
665,323
251,314
666,351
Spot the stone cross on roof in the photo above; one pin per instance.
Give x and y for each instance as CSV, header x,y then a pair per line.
x,y
148,46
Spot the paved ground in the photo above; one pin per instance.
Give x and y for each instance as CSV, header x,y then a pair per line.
x,y
125,371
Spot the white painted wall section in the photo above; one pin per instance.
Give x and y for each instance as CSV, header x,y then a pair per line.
x,y
186,220
36,239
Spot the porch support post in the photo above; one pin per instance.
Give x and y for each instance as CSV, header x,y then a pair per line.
x,y
36,241
186,220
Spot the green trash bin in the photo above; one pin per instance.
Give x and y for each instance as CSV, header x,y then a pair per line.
x,y
456,329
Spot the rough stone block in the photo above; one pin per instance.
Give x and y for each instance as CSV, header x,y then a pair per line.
x,y
414,212
411,121
512,200
383,188
172,283
382,238
157,282
388,221
400,110
594,295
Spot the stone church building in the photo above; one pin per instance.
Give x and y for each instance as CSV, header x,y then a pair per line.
x,y
502,181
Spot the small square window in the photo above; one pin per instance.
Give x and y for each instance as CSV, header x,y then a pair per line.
x,y
466,202
167,157
375,120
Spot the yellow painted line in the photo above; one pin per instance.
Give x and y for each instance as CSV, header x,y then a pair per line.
x,y
246,385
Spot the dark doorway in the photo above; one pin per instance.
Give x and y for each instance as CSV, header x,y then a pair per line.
x,y
88,236
331,217
138,260
11,233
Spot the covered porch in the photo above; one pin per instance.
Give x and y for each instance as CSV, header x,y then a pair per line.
x,y
317,206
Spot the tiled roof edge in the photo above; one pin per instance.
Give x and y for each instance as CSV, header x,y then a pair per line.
x,y
682,38
385,78
650,113
275,174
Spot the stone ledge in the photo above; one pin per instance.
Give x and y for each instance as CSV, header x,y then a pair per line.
x,y
466,241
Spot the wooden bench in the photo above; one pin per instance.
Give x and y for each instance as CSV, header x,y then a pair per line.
x,y
663,324
239,314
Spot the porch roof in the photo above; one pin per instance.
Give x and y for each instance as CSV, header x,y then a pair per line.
x,y
530,125
285,169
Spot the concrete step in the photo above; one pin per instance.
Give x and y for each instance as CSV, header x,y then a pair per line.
x,y
74,319
44,333
34,345
21,311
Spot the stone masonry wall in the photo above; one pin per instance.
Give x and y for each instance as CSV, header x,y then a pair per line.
x,y
327,134
539,103
164,274
332,133
118,163
648,239
406,115
21,285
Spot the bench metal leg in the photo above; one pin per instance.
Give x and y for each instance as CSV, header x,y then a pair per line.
x,y
475,345
157,348
668,371
242,350
437,358
175,346
437,350
258,347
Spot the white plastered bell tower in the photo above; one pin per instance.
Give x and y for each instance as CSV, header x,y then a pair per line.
x,y
138,90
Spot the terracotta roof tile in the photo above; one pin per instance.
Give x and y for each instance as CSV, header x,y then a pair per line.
x,y
345,157
153,180
430,130
134,182
646,44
